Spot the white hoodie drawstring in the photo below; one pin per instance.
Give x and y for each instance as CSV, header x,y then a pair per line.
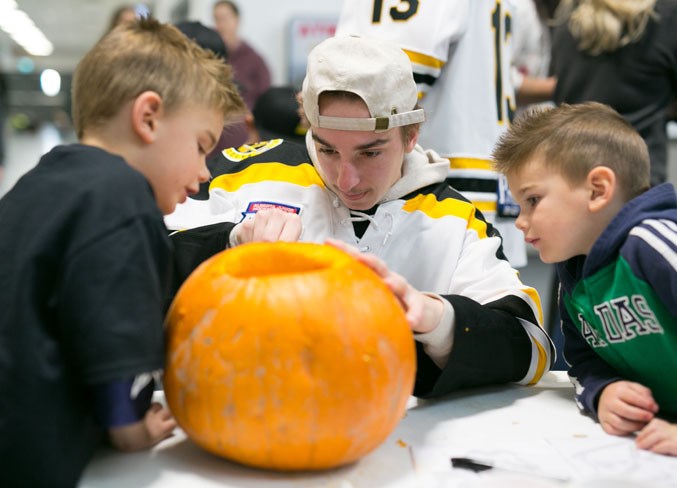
x,y
357,216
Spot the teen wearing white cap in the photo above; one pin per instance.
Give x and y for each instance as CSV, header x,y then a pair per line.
x,y
364,181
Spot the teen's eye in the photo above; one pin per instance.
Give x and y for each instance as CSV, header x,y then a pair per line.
x,y
371,154
327,151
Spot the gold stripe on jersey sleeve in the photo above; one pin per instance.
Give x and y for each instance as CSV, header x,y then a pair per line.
x,y
540,367
470,163
484,206
533,294
435,209
424,60
542,361
302,175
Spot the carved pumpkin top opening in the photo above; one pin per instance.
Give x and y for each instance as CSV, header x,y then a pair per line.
x,y
259,260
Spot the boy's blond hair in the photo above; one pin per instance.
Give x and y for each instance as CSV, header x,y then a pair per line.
x,y
573,139
147,55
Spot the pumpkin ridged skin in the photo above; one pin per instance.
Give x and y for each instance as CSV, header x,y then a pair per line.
x,y
287,356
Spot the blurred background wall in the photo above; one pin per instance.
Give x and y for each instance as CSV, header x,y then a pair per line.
x,y
282,32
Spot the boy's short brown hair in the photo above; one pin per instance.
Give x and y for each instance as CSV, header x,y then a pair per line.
x,y
572,140
147,55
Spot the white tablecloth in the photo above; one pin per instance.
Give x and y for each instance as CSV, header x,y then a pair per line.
x,y
537,432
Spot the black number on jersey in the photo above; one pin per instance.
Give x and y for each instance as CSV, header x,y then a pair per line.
x,y
401,12
501,23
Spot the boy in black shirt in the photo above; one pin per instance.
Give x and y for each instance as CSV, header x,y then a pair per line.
x,y
84,275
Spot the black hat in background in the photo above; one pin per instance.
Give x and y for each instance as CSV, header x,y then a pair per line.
x,y
204,36
276,115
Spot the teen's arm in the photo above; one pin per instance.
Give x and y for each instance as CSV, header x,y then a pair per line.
x,y
497,336
484,343
194,246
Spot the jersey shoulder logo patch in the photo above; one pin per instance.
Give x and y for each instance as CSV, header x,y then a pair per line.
x,y
250,150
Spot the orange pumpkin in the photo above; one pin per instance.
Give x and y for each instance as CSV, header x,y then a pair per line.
x,y
289,356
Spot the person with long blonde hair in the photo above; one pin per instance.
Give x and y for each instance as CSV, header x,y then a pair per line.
x,y
622,53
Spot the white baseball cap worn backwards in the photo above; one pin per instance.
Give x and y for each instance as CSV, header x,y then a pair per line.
x,y
378,72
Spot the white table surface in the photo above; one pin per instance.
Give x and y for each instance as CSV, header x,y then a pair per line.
x,y
534,429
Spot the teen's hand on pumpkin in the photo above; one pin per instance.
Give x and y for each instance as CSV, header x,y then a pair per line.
x,y
658,436
625,407
423,312
269,225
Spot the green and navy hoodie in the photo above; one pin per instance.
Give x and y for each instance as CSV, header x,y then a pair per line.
x,y
619,304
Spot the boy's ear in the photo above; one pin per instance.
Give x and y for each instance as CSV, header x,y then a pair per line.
x,y
146,111
602,184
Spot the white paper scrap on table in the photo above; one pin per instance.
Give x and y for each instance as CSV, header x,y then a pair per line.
x,y
548,462
533,457
612,456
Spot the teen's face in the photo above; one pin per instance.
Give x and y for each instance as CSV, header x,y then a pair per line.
x,y
554,216
183,140
360,167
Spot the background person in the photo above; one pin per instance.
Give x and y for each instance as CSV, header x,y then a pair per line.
x,y
623,54
532,43
236,133
249,68
122,15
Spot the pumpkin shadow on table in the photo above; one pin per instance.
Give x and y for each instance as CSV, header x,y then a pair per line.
x,y
387,463
187,463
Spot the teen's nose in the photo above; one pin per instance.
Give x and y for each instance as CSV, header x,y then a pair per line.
x,y
347,177
521,223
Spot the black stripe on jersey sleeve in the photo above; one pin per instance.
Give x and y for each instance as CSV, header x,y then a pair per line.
x,y
422,79
478,185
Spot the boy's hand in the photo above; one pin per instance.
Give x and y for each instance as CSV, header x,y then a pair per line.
x,y
658,436
157,425
625,407
423,312
269,225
